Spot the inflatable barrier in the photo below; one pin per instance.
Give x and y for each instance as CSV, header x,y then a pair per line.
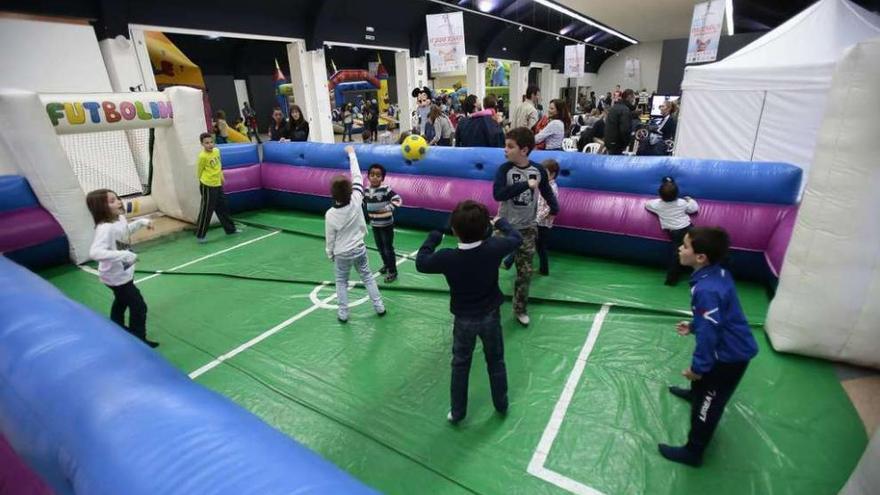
x,y
602,197
87,425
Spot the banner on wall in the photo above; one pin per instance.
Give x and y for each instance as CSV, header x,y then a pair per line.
x,y
632,70
705,31
574,60
446,42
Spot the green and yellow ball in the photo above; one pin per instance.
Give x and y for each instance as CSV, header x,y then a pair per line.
x,y
414,147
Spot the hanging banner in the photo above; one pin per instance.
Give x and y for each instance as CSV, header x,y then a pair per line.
x,y
705,31
446,42
574,60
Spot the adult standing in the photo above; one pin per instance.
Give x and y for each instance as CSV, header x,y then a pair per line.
x,y
484,130
442,127
373,123
618,124
525,114
297,126
278,127
250,120
555,131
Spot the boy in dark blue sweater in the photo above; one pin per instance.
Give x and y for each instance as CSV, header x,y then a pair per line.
x,y
725,343
472,274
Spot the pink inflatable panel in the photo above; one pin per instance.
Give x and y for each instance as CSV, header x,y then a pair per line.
x,y
242,179
751,226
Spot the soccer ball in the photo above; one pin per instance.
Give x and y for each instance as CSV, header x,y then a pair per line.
x,y
414,147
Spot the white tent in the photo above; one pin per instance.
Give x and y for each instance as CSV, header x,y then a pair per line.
x,y
766,101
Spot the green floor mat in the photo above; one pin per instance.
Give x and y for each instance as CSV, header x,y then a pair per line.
x,y
372,395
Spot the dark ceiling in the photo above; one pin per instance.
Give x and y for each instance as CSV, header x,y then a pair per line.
x,y
396,23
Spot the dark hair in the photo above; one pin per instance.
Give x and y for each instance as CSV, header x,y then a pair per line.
x,y
562,113
377,166
627,93
470,104
470,220
710,241
490,102
204,135
96,201
220,114
403,136
551,165
301,118
340,189
523,137
668,189
531,90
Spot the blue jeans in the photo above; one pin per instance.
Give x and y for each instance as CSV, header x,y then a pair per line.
x,y
346,131
356,258
465,331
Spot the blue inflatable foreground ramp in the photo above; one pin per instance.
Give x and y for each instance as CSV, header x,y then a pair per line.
x,y
93,411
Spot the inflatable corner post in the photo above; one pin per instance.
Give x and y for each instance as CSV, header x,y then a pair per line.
x,y
825,305
32,123
33,145
176,150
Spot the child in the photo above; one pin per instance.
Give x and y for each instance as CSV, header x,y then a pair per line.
x,y
367,136
725,343
674,220
240,127
221,127
381,201
472,274
345,229
116,262
544,219
210,174
515,184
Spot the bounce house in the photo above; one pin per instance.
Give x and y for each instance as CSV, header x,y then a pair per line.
x,y
349,80
90,410
171,67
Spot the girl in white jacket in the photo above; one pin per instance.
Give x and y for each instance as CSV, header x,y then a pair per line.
x,y
116,262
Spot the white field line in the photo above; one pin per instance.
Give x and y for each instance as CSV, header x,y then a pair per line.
x,y
281,326
539,458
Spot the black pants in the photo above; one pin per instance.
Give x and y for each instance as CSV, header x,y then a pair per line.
x,y
464,339
444,142
710,395
213,200
385,245
541,246
128,296
673,271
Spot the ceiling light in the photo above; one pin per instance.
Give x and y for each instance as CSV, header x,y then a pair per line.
x,y
557,38
484,5
370,29
503,48
520,28
591,38
575,15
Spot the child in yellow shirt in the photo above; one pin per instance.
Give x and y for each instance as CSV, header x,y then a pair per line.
x,y
210,174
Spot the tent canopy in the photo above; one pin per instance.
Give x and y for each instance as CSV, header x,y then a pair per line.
x,y
765,102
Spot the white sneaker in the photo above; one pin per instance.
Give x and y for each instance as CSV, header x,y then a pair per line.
x,y
523,319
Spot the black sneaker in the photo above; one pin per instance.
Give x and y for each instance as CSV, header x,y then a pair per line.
x,y
507,264
391,277
680,454
682,393
383,270
383,313
151,343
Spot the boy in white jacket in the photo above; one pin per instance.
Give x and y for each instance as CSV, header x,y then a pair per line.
x,y
116,261
344,233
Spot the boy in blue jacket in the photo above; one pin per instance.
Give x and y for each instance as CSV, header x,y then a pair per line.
x,y
725,343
